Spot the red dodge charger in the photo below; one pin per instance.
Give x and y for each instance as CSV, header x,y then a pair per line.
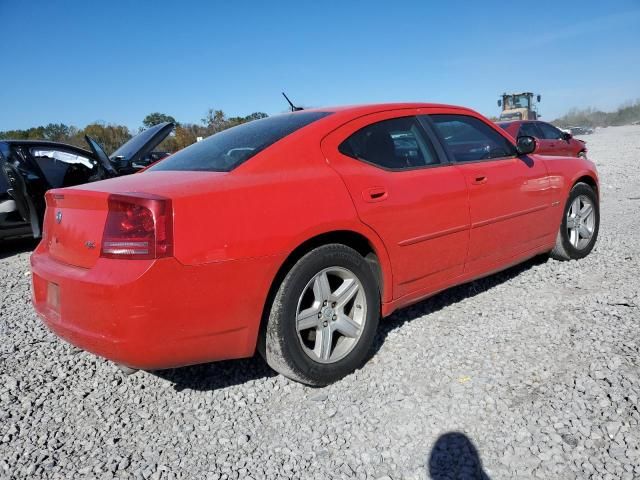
x,y
295,234
550,140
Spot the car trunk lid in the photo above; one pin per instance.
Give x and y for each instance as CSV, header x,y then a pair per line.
x,y
73,225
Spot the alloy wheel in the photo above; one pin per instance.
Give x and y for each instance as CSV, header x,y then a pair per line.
x,y
331,314
581,220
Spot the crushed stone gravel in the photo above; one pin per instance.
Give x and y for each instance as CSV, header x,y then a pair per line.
x,y
530,373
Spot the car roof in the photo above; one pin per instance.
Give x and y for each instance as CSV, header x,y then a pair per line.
x,y
364,109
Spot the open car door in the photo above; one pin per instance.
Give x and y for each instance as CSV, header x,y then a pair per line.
x,y
18,193
102,157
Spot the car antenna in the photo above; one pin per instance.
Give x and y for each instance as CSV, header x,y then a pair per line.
x,y
293,107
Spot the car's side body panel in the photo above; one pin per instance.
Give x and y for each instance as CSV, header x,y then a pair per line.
x,y
509,201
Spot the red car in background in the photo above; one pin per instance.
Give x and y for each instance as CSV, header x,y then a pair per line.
x,y
551,140
293,235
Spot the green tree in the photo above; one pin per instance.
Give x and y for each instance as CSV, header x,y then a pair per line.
x,y
110,137
215,120
156,118
56,132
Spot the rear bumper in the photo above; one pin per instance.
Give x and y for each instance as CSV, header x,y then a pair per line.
x,y
154,314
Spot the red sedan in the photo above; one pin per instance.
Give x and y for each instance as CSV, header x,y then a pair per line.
x,y
551,140
295,234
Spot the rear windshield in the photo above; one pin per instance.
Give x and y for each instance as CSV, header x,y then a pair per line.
x,y
225,150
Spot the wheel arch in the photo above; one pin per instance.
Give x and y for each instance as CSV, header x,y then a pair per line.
x,y
589,180
370,247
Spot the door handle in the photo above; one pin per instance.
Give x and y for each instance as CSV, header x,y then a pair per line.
x,y
480,179
375,194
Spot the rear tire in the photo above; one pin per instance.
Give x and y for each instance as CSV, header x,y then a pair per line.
x,y
580,224
323,317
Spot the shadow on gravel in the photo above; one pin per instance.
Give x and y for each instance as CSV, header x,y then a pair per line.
x,y
212,376
9,248
455,456
449,297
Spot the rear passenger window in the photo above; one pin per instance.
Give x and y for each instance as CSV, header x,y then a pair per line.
x,y
470,139
396,144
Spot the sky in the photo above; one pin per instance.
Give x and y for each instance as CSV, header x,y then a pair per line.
x,y
77,62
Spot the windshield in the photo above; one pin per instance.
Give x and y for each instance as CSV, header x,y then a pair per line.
x,y
225,150
520,101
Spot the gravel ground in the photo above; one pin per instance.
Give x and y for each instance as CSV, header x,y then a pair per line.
x,y
531,373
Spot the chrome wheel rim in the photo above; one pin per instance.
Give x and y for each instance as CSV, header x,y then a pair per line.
x,y
581,222
331,314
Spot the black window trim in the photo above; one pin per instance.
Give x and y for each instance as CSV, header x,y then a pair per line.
x,y
437,150
445,147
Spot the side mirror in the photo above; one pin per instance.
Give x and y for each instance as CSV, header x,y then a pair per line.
x,y
566,136
499,103
526,145
539,98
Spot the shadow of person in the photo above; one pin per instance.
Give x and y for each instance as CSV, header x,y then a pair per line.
x,y
455,457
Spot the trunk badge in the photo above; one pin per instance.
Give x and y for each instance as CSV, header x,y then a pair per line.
x,y
58,216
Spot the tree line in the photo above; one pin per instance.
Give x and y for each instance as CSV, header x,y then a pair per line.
x,y
626,114
111,136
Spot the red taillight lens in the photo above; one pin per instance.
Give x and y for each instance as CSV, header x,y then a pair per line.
x,y
138,226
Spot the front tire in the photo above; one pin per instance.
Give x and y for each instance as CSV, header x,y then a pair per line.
x,y
323,317
580,224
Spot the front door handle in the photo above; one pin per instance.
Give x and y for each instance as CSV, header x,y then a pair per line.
x,y
375,194
480,180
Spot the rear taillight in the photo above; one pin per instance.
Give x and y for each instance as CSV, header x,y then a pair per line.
x,y
138,226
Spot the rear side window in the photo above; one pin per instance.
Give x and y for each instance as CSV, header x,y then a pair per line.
x,y
397,144
226,150
529,130
470,139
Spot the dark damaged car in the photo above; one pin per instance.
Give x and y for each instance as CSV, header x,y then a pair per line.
x,y
28,168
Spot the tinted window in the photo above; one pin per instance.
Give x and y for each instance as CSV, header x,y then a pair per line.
x,y
529,130
549,132
470,139
226,150
397,144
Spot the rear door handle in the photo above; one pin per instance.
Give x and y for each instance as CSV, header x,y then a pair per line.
x,y
375,194
480,179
